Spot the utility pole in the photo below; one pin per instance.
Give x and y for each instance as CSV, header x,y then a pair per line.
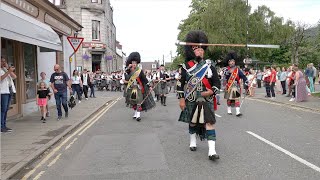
x,y
163,59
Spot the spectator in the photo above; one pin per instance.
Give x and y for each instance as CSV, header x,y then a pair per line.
x,y
85,78
300,86
59,84
273,81
252,78
7,89
283,78
42,99
309,77
259,78
267,80
47,83
91,85
314,75
76,84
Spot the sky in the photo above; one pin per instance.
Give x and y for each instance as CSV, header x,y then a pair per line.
x,y
151,26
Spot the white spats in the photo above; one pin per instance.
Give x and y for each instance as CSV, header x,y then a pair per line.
x,y
237,110
229,110
212,148
138,114
193,140
135,114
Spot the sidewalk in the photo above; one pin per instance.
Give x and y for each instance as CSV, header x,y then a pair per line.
x,y
313,103
30,137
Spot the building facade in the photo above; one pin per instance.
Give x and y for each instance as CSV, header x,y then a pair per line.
x,y
33,39
150,66
98,51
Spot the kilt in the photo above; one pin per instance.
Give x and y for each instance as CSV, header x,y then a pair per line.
x,y
233,94
156,88
187,114
148,102
163,88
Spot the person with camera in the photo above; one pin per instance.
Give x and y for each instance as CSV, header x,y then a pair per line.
x,y
7,89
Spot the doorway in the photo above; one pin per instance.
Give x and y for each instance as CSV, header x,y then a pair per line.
x,y
96,62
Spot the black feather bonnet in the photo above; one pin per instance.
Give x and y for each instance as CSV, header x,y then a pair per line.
x,y
194,37
134,56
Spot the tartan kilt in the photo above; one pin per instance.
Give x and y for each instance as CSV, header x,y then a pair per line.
x,y
187,114
149,101
156,88
163,88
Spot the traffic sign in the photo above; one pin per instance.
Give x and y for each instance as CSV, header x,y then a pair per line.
x,y
75,42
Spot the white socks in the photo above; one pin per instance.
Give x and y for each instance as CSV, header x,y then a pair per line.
x,y
135,114
138,114
193,140
229,110
212,148
237,110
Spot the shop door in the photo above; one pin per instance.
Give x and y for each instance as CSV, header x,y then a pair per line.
x,y
96,61
7,51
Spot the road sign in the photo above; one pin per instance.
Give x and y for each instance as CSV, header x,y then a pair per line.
x,y
75,42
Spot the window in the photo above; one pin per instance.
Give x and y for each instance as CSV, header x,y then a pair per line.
x,y
95,30
154,66
56,2
96,1
30,71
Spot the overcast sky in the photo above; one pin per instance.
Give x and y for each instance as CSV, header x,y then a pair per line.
x,y
150,26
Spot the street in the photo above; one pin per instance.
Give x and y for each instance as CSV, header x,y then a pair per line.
x,y
114,146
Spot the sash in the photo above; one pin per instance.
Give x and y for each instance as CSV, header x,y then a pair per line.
x,y
195,79
206,83
231,79
133,78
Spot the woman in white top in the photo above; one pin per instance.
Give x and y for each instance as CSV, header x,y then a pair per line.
x,y
252,78
76,84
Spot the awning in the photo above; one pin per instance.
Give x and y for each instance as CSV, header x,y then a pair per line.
x,y
21,27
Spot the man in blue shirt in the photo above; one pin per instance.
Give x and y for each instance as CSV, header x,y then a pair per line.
x,y
59,84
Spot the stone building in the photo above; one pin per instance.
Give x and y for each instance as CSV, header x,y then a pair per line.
x,y
98,50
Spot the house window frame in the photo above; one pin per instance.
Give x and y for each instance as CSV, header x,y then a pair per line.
x,y
98,31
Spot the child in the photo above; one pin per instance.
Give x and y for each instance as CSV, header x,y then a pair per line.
x,y
42,99
252,77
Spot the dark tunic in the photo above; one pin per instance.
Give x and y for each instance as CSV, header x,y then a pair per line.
x,y
191,103
136,98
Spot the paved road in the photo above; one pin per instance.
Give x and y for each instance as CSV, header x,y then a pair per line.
x,y
117,147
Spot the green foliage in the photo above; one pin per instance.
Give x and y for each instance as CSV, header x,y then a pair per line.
x,y
225,22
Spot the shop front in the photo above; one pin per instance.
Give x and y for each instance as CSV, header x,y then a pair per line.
x,y
32,45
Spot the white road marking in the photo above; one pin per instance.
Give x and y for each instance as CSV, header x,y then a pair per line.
x,y
39,175
74,140
218,115
63,143
314,167
54,160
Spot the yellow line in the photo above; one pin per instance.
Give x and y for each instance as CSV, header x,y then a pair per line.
x,y
57,148
54,160
39,175
71,143
97,118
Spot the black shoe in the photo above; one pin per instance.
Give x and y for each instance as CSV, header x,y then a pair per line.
x,y
59,118
229,113
138,119
8,129
214,157
218,103
134,118
238,115
193,148
44,120
3,130
66,115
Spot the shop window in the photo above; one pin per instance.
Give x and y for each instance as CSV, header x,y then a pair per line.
x,y
30,71
95,30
